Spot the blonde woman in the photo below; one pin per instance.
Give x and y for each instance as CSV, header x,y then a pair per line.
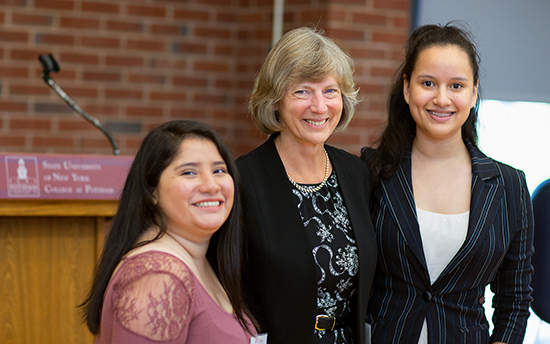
x,y
311,244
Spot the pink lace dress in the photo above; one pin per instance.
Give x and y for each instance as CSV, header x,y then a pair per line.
x,y
154,297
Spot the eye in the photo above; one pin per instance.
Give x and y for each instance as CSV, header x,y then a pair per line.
x,y
301,93
221,170
456,86
428,83
188,173
332,92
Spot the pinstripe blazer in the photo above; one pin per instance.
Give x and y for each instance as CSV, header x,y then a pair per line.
x,y
497,251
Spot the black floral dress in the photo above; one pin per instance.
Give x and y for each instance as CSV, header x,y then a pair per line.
x,y
332,241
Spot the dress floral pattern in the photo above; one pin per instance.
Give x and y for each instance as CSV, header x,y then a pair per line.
x,y
154,297
334,250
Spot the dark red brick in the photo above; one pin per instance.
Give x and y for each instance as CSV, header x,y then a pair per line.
x,y
100,7
30,19
55,4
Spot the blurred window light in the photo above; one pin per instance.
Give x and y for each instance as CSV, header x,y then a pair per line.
x,y
517,134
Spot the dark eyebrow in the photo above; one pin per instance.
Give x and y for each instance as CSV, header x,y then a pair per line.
x,y
424,76
459,78
185,164
194,164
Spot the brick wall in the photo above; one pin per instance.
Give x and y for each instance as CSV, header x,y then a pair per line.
x,y
137,63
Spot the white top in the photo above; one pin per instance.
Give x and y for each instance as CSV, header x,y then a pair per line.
x,y
442,236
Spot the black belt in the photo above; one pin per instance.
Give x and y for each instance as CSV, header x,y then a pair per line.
x,y
329,323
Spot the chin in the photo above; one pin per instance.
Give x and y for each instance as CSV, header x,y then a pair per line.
x,y
212,227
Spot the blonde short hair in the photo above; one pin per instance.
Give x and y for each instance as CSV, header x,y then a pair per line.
x,y
302,55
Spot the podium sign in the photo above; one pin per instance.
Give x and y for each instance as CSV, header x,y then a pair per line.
x,y
62,177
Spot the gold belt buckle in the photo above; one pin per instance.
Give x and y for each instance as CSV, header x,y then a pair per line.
x,y
328,317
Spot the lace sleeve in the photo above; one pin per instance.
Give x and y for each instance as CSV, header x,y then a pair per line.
x,y
153,297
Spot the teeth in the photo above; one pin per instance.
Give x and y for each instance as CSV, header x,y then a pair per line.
x,y
441,115
316,123
207,204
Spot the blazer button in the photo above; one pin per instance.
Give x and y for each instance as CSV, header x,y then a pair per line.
x,y
427,296
482,300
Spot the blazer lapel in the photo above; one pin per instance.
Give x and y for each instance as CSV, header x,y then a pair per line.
x,y
274,174
277,173
281,202
399,193
487,193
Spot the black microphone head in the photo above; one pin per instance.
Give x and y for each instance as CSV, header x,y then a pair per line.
x,y
49,64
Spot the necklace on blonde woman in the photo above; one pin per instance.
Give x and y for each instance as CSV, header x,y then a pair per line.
x,y
318,187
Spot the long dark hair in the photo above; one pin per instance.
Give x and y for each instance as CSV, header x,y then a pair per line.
x,y
137,213
401,128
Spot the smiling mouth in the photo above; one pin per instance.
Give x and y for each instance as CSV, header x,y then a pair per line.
x,y
208,204
441,114
315,123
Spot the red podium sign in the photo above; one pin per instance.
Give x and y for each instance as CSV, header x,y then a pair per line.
x,y
55,176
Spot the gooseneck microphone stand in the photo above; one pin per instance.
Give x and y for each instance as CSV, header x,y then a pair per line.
x,y
49,65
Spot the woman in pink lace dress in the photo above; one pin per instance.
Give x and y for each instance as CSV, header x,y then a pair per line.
x,y
171,264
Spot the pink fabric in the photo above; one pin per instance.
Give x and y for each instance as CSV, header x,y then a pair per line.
x,y
154,297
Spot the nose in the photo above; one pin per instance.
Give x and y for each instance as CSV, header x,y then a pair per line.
x,y
209,184
318,103
441,97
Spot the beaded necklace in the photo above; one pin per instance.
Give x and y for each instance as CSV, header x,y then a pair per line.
x,y
318,187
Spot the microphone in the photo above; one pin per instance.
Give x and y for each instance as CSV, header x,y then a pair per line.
x,y
49,65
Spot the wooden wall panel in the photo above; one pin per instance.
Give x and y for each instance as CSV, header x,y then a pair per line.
x,y
45,269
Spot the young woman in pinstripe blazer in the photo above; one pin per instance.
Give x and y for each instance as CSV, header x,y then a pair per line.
x,y
449,220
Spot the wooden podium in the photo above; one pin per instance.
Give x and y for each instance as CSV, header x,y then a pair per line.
x,y
54,211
